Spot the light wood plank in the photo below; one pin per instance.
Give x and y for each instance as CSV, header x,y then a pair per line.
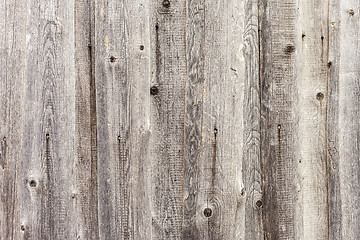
x,y
312,90
220,201
12,64
252,168
167,103
194,223
139,51
122,88
46,176
343,120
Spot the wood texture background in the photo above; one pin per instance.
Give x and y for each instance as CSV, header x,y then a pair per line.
x,y
179,119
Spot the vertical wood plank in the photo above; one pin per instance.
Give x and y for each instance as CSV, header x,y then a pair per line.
x,y
85,164
167,103
343,124
139,50
122,71
12,63
193,221
333,127
113,118
312,90
217,107
221,200
47,180
252,168
279,120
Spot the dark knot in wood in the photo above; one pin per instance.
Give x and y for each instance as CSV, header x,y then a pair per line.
x,y
154,90
207,212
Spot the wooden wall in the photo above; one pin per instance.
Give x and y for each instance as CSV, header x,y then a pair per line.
x,y
179,119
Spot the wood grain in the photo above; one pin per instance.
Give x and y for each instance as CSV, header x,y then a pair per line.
x,y
12,63
179,119
167,103
221,181
85,192
312,89
122,82
252,167
279,126
47,152
343,111
193,222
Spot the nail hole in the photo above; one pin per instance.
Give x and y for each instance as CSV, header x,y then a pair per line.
x,y
322,37
279,126
351,12
73,195
4,139
118,138
303,35
32,183
166,3
112,59
320,96
156,27
215,131
22,228
207,212
259,203
154,90
329,64
47,136
141,47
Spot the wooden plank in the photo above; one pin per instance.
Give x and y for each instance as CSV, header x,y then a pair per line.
x,y
333,127
12,62
343,123
312,91
214,110
85,163
252,168
113,119
168,67
122,71
279,120
139,51
193,223
48,133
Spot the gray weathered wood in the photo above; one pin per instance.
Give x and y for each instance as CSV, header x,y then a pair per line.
x,y
122,76
279,116
167,103
85,164
252,168
312,69
47,155
179,119
213,116
12,62
343,120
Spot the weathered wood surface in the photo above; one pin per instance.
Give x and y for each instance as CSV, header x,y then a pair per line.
x,y
179,119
